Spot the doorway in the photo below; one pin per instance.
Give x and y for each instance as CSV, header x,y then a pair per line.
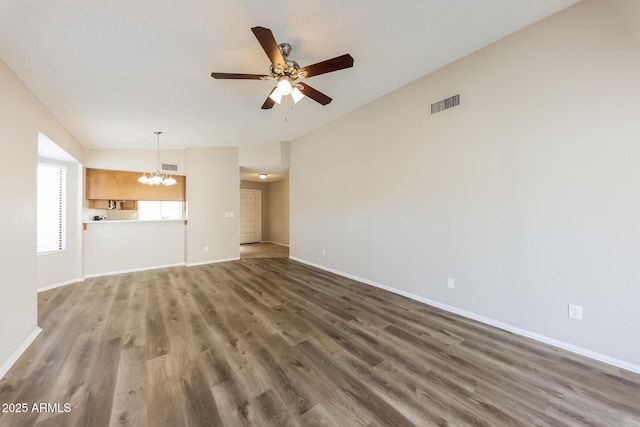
x,y
263,206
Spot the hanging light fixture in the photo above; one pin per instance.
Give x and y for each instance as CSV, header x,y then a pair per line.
x,y
157,178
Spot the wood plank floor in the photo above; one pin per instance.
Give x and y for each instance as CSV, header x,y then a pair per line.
x,y
262,342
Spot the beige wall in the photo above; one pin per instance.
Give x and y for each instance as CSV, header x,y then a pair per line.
x,y
115,246
265,201
526,194
262,154
22,116
212,190
135,160
627,12
279,211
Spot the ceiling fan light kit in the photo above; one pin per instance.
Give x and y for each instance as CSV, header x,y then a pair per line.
x,y
296,94
285,87
287,72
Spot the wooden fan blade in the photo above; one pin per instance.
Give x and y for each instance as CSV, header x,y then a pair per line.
x,y
314,94
333,64
270,46
268,103
237,76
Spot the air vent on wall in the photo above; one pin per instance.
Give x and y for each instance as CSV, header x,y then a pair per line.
x,y
168,167
445,104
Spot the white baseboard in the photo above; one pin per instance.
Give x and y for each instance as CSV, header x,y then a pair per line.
x,y
212,262
133,270
275,243
60,284
4,368
464,313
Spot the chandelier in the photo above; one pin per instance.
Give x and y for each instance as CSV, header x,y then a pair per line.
x,y
157,178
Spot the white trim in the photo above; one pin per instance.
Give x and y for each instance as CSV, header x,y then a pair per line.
x,y
4,368
275,243
464,313
59,284
119,221
133,270
215,261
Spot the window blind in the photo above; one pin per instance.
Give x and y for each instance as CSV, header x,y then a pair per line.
x,y
51,202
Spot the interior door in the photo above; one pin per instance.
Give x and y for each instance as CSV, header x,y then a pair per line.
x,y
250,216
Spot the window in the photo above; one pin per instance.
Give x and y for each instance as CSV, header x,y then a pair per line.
x,y
51,204
149,210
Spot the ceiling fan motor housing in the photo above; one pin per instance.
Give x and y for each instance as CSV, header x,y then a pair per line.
x,y
285,49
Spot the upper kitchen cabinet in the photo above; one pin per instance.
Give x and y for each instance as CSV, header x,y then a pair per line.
x,y
102,184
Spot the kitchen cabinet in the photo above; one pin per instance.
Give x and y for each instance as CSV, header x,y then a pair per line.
x,y
103,184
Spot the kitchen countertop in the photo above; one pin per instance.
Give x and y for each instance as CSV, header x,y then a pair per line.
x,y
91,221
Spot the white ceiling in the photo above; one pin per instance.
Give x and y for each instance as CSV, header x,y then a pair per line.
x,y
115,71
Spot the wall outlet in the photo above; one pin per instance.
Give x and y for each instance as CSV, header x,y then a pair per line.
x,y
229,214
324,252
575,311
206,248
450,282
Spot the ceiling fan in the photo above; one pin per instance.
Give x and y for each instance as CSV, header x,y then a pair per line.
x,y
287,72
